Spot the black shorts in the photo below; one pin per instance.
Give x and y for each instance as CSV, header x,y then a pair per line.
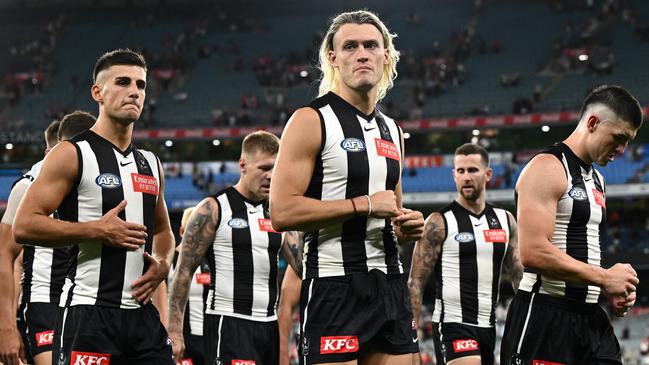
x,y
231,340
558,331
346,317
89,334
194,354
456,340
40,322
22,329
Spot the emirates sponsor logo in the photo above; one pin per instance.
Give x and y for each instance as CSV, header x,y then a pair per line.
x,y
495,235
45,338
89,358
243,362
338,344
386,149
600,199
203,278
543,362
144,184
465,345
265,225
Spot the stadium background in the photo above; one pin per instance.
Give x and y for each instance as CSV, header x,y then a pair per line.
x,y
507,74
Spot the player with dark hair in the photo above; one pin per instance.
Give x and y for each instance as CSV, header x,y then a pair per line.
x,y
561,198
110,199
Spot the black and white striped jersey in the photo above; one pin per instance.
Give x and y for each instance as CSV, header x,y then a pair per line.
x,y
243,260
581,214
44,268
101,274
469,265
359,155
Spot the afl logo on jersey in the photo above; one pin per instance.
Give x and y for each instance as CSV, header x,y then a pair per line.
x,y
108,181
238,223
353,145
464,237
578,193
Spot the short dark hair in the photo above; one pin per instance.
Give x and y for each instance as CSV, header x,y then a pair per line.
x,y
619,100
473,149
51,133
75,123
118,57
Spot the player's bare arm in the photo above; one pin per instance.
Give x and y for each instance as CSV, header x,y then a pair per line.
x,y
290,209
198,236
512,268
409,224
424,257
11,346
58,175
292,249
290,297
540,186
163,248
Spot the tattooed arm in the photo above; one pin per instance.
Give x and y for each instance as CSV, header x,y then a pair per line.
x,y
512,267
292,248
197,238
427,250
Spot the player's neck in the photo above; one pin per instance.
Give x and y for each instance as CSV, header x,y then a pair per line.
x,y
363,101
577,144
474,206
243,190
115,132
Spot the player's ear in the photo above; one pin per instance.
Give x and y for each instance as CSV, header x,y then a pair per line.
x,y
592,122
95,92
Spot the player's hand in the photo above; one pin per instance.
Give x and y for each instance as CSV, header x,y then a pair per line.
x,y
144,286
177,345
409,225
384,204
622,304
12,350
119,233
620,280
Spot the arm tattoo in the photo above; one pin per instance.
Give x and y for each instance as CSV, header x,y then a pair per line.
x,y
512,267
198,236
424,257
292,249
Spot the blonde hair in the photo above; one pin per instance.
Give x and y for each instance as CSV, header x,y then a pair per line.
x,y
330,77
260,141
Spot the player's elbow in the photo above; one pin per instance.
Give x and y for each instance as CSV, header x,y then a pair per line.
x,y
531,258
20,230
280,218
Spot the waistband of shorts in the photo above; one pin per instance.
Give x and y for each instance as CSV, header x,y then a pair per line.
x,y
349,278
558,302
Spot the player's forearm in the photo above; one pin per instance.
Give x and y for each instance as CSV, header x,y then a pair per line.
x,y
163,247
178,299
284,322
45,231
161,303
548,260
7,306
299,213
416,295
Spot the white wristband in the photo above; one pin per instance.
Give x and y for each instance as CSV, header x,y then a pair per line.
x,y
369,205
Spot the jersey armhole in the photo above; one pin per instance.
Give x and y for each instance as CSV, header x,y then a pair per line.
x,y
218,207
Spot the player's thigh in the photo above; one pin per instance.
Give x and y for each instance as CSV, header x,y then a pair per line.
x,y
44,358
467,360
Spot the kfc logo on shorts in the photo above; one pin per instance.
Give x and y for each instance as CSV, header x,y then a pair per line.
x,y
338,344
186,362
543,362
465,345
89,358
45,338
243,362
